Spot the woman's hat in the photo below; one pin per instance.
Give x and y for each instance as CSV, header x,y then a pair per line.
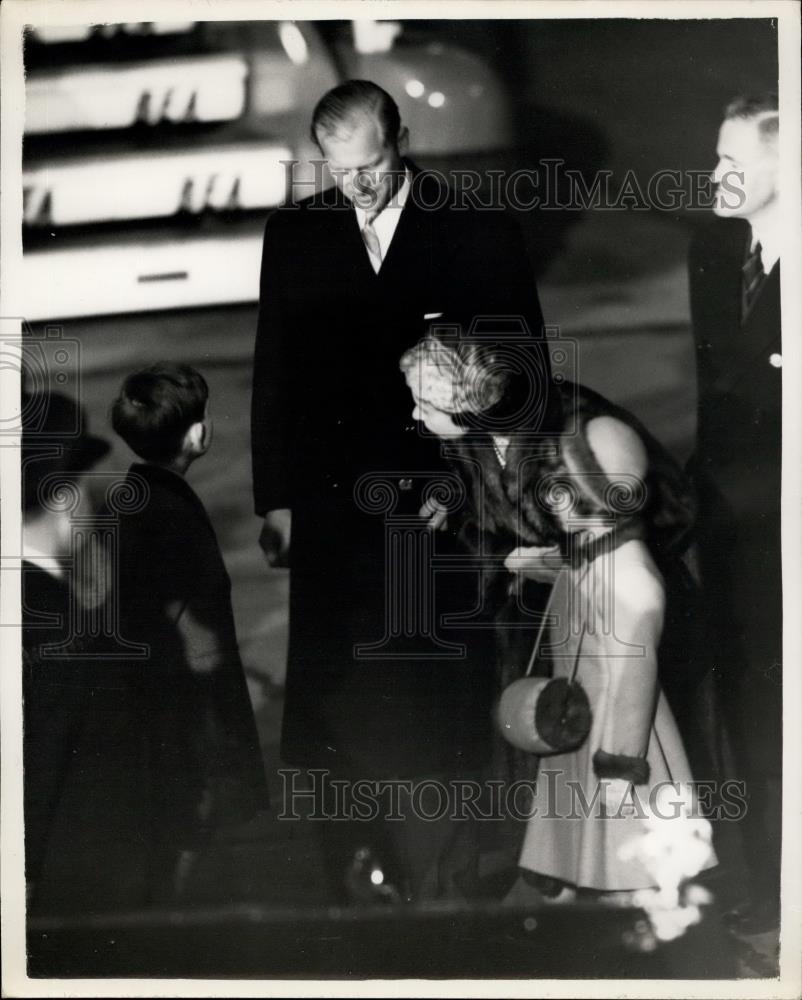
x,y
55,440
497,382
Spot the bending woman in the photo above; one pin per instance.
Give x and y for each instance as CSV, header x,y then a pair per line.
x,y
603,495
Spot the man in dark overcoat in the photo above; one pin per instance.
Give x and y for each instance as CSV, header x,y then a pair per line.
x,y
735,305
350,279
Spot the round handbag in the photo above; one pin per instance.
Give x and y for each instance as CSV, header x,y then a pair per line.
x,y
545,715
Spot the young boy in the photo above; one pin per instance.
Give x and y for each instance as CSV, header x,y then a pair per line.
x,y
203,763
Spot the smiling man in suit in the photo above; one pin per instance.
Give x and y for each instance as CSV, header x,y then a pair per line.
x,y
350,278
735,307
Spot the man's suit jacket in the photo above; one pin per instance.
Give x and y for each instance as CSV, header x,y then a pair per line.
x,y
329,406
739,433
738,460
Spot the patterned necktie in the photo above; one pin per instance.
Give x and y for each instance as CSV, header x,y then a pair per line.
x,y
753,275
371,238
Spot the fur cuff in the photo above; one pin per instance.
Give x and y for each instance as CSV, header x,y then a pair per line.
x,y
616,765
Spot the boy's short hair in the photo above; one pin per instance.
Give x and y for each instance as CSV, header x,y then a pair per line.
x,y
157,406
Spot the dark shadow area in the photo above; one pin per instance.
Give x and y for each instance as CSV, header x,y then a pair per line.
x,y
484,942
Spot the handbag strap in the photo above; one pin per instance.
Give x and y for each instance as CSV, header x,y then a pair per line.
x,y
536,649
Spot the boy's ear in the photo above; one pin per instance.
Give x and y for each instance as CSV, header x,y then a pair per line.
x,y
195,438
206,432
403,140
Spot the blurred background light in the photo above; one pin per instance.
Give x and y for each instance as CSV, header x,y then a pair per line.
x,y
436,99
294,42
371,37
415,88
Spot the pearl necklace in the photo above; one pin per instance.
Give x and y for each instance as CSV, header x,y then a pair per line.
x,y
500,446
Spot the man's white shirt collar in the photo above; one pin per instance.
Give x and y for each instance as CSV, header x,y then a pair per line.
x,y
385,223
769,247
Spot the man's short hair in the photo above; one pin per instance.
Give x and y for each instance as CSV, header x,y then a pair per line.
x,y
339,110
763,108
157,406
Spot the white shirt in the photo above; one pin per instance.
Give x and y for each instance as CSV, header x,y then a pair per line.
x,y
769,247
386,221
51,564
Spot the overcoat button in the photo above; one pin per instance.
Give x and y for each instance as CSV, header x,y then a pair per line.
x,y
776,360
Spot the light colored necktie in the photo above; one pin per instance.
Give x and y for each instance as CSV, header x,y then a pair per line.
x,y
371,238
